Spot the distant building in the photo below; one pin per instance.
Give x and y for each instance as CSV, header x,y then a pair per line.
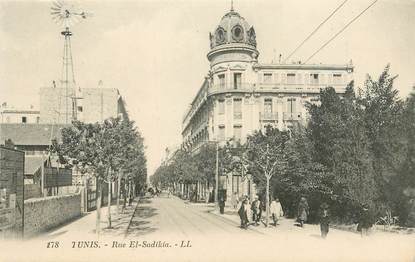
x,y
11,193
9,114
240,94
93,105
33,139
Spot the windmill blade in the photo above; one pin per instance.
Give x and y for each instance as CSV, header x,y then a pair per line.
x,y
57,4
87,14
58,20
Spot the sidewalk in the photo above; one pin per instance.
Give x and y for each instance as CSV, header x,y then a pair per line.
x,y
84,227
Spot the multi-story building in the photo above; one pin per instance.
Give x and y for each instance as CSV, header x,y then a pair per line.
x,y
93,105
10,114
240,94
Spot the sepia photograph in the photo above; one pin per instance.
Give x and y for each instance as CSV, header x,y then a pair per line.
x,y
207,130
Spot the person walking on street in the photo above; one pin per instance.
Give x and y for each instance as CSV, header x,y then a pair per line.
x,y
256,211
303,211
243,214
276,210
365,220
324,220
222,205
234,201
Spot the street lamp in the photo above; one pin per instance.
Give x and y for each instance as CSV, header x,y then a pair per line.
x,y
216,172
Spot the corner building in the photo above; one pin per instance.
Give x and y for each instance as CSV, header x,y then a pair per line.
x,y
240,95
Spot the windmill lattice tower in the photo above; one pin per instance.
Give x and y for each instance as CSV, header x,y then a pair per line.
x,y
67,15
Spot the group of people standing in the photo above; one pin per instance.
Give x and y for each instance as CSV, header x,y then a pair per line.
x,y
250,213
254,211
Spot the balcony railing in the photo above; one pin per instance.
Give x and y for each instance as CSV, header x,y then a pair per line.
x,y
292,116
274,87
268,116
243,87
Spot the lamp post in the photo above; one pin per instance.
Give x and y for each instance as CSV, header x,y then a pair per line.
x,y
217,175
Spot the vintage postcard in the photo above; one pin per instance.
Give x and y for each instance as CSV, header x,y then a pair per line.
x,y
196,130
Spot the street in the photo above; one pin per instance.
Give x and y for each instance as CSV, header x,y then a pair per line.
x,y
170,229
219,236
171,217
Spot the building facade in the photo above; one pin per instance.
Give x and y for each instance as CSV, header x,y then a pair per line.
x,y
240,94
92,105
11,193
9,114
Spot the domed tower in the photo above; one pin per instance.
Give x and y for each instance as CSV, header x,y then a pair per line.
x,y
233,51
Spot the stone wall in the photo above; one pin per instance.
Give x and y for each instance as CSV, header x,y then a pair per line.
x,y
41,214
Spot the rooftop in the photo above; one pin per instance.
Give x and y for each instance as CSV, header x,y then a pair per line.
x,y
30,134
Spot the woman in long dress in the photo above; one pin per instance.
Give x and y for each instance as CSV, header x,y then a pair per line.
x,y
303,211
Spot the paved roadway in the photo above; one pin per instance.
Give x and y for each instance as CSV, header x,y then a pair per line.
x,y
213,237
171,217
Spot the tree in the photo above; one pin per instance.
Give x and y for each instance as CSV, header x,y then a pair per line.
x,y
303,176
341,145
266,154
383,111
102,149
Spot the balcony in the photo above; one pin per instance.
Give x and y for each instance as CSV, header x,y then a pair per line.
x,y
274,88
242,88
268,116
292,116
298,87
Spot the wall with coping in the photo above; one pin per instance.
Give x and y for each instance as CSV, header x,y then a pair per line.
x,y
42,214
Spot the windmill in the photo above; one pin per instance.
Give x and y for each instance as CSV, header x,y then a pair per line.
x,y
66,15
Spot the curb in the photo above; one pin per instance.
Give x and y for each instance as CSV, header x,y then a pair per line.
x,y
131,219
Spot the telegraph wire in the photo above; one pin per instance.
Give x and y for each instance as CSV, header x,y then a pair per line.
x,y
339,32
315,30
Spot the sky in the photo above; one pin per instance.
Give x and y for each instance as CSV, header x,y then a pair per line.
x,y
154,52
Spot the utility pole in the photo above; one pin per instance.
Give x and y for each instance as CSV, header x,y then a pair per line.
x,y
217,175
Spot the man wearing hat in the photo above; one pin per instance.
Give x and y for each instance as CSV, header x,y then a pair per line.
x,y
256,210
324,220
365,221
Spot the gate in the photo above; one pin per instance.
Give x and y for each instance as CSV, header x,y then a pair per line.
x,y
91,200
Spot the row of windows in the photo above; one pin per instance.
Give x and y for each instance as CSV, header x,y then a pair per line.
x,y
237,80
289,78
293,78
23,119
291,106
237,132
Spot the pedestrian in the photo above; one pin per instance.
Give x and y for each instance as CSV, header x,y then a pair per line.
x,y
365,220
256,210
243,214
276,210
222,205
324,220
234,201
303,211
207,197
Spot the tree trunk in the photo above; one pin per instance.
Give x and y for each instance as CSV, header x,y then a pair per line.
x,y
124,196
118,192
267,202
129,193
98,204
109,199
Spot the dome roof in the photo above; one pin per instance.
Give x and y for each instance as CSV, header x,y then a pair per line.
x,y
233,28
